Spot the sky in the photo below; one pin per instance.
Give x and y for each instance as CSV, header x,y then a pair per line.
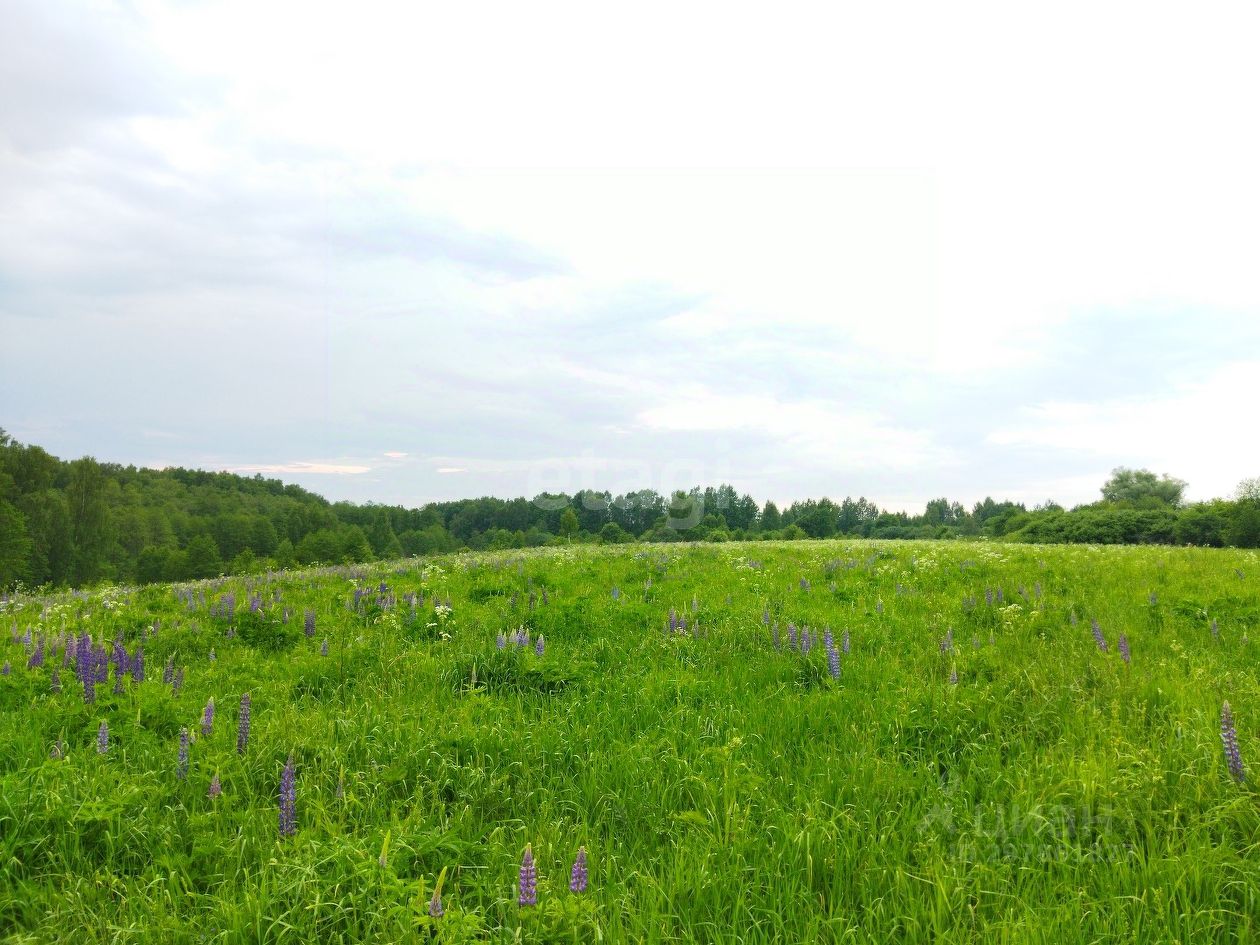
x,y
409,252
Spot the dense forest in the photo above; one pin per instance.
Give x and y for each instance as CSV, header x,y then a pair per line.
x,y
75,523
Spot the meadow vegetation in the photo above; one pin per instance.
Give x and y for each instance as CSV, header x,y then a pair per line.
x,y
814,741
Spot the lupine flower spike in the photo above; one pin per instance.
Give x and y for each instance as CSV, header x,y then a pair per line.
x,y
207,718
1123,646
528,886
577,878
1098,636
242,726
102,738
182,771
288,800
1229,739
216,787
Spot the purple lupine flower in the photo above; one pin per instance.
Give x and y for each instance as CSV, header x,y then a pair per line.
x,y
435,904
1216,631
288,800
765,617
323,647
6,669
807,640
216,787
55,682
804,584
118,680
102,738
988,596
577,877
242,726
101,661
1152,599
616,593
1229,739
1098,636
1123,646
309,623
212,656
37,657
953,676
207,718
168,671
792,635
181,772
947,641
500,641
833,655
673,621
539,645
528,885
1000,596
178,682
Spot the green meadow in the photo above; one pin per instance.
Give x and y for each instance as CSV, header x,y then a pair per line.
x,y
982,769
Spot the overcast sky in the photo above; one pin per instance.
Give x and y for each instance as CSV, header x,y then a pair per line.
x,y
419,251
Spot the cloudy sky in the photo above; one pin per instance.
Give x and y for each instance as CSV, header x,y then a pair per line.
x,y
407,252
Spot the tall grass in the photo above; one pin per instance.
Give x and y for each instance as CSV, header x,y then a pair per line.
x,y
1018,785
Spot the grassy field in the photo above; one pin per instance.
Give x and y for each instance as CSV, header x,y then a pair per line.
x,y
982,769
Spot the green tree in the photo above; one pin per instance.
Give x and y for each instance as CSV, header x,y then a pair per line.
x,y
1141,488
568,524
202,558
15,545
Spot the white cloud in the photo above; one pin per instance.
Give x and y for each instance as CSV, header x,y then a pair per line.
x,y
302,468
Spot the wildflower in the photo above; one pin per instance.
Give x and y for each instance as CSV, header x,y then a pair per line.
x,y
309,623
844,643
207,718
182,771
792,635
500,641
6,669
288,800
118,680
953,676
833,655
168,671
1229,739
212,656
242,725
435,904
216,787
323,647
947,641
37,657
178,682
528,887
1216,631
102,738
539,645
1123,646
577,878
1098,636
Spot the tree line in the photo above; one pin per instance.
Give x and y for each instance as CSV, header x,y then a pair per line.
x,y
75,523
